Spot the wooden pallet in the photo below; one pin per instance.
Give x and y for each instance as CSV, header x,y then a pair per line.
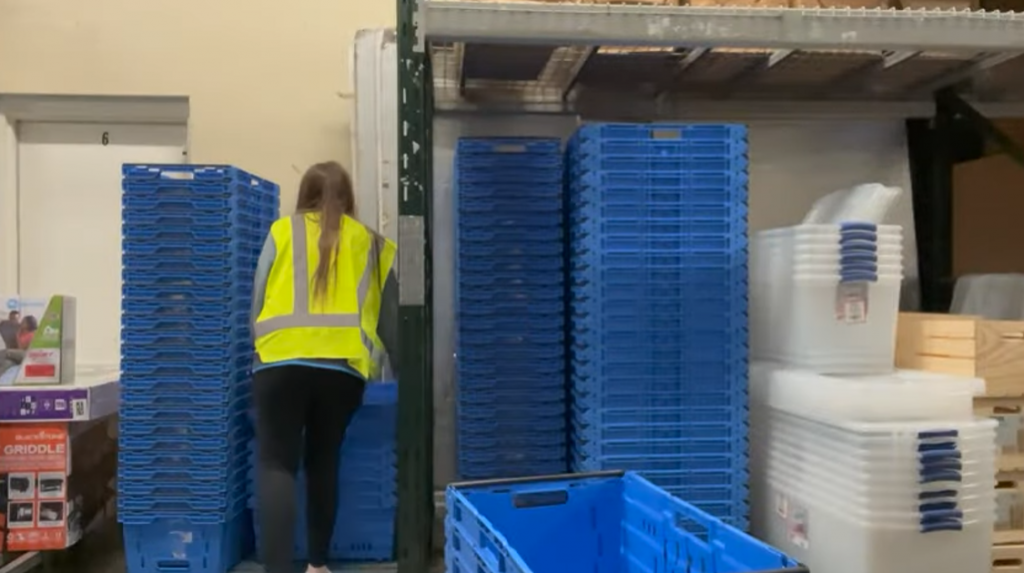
x,y
966,346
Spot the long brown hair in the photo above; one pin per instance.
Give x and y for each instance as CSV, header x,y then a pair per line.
x,y
326,189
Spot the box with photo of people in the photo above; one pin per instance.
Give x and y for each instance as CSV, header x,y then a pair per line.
x,y
37,340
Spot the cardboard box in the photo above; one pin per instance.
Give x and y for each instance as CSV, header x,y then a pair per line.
x,y
54,479
45,336
988,199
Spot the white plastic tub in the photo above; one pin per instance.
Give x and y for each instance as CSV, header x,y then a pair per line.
x,y
822,329
826,538
903,395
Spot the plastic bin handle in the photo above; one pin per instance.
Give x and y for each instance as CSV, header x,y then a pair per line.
x,y
937,494
931,434
951,525
928,476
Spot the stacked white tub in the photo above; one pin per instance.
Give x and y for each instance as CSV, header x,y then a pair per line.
x,y
872,474
825,297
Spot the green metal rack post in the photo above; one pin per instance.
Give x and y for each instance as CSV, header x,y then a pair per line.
x,y
415,397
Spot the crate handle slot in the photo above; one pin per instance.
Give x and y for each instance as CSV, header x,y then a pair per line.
x,y
509,148
177,175
666,134
540,498
173,565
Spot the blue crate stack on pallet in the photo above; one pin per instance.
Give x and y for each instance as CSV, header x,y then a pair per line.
x,y
191,239
511,397
367,488
658,307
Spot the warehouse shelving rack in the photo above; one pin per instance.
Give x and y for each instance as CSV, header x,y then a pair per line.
x,y
640,63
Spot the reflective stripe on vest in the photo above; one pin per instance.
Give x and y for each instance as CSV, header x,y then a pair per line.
x,y
301,317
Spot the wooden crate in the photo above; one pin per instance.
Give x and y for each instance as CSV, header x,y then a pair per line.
x,y
1008,558
966,346
1009,526
1009,412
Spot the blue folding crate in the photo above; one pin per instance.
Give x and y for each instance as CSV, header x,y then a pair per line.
x,y
140,473
185,486
669,446
662,131
224,443
228,504
489,524
491,146
182,353
154,248
481,471
477,369
541,211
196,545
146,264
188,309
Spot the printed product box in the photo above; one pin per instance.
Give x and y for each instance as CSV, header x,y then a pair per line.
x,y
37,336
47,495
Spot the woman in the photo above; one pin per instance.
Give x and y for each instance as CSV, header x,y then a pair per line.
x,y
29,325
324,309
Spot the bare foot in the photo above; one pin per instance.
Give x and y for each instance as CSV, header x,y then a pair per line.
x,y
323,569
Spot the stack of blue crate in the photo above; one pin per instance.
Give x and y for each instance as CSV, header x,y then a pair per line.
x,y
367,484
511,402
191,239
659,308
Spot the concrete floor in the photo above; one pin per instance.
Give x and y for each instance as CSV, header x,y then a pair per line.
x,y
103,552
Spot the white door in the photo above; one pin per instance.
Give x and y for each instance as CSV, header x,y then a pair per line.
x,y
69,209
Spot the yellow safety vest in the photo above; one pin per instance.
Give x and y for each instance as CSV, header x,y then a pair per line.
x,y
295,325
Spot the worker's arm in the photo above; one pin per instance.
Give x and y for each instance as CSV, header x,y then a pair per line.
x,y
259,287
387,323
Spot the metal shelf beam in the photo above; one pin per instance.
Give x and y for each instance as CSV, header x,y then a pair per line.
x,y
782,28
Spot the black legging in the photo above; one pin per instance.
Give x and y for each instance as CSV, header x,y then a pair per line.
x,y
291,401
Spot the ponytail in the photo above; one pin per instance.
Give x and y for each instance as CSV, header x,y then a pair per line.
x,y
326,189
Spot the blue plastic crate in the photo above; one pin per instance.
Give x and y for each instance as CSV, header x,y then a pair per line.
x,y
182,399
656,462
494,527
524,171
182,353
178,416
508,146
471,419
209,175
142,473
132,308
146,264
483,471
668,446
489,232
220,249
185,486
663,131
225,443
481,368
187,369
182,544
143,386
228,504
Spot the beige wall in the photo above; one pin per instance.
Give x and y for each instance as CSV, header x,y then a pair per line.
x,y
268,80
